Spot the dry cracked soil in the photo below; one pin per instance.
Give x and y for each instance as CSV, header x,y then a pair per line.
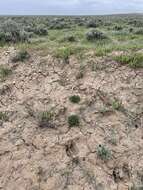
x,y
60,157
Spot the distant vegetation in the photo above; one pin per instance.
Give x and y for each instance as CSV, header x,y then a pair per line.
x,y
65,36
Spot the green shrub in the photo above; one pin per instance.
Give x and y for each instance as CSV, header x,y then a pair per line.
x,y
91,24
21,56
58,24
3,116
10,31
46,119
95,35
41,30
103,153
75,99
73,120
4,72
134,60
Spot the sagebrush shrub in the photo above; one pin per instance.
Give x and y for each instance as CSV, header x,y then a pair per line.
x,y
10,31
92,24
41,30
95,35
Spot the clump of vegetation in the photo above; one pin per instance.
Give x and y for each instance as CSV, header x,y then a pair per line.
x,y
41,30
118,28
64,53
116,105
73,120
139,31
10,31
95,35
75,99
4,72
58,24
133,60
69,38
91,24
3,116
103,153
46,119
21,56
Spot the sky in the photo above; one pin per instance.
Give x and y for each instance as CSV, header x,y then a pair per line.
x,y
69,7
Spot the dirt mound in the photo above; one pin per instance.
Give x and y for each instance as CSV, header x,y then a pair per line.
x,y
103,153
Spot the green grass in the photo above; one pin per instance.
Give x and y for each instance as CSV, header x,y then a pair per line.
x,y
45,119
4,73
73,120
132,60
64,53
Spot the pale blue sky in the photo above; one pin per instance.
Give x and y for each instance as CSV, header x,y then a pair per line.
x,y
70,7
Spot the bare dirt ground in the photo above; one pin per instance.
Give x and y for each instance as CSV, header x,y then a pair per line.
x,y
63,158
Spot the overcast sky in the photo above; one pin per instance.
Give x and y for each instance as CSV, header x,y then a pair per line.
x,y
70,7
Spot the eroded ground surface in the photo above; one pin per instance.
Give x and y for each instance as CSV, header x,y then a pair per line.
x,y
63,158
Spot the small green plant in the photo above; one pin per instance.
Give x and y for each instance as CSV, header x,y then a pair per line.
x,y
4,72
103,152
112,138
46,119
21,56
64,53
116,105
134,60
73,120
3,116
74,99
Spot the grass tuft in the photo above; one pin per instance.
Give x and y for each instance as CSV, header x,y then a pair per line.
x,y
74,99
46,119
73,120
133,61
4,72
